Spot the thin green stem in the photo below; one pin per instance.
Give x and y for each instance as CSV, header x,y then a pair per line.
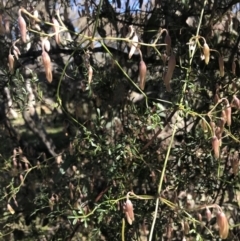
x,y
175,128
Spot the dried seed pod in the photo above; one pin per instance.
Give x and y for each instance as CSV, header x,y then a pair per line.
x,y
46,44
21,178
221,65
47,66
28,46
16,49
199,217
15,54
213,126
208,214
171,67
234,67
221,123
74,168
222,224
190,203
56,28
204,125
219,132
11,63
206,53
236,102
22,27
215,146
142,74
35,13
168,43
90,74
128,209
224,117
10,209
26,166
134,45
228,113
37,27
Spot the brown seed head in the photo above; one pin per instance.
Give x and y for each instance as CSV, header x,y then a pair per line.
x,y
222,224
142,74
206,53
